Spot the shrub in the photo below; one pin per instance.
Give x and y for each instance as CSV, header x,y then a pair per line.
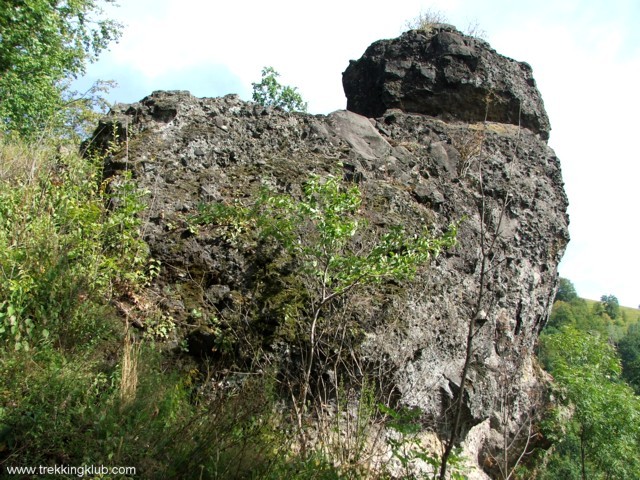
x,y
429,18
67,240
595,426
269,92
426,20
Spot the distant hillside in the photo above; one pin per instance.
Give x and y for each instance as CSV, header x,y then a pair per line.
x,y
629,314
592,315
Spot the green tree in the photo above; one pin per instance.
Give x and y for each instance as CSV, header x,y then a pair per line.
x,y
596,428
44,44
610,305
566,291
562,314
269,92
629,350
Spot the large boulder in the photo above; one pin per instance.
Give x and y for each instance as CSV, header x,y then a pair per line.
x,y
445,74
435,152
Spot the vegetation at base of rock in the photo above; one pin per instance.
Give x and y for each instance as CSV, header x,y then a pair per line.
x,y
72,248
61,408
629,350
44,46
270,93
407,446
594,425
68,241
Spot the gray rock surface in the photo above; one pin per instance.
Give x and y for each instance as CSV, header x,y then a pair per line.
x,y
446,74
502,182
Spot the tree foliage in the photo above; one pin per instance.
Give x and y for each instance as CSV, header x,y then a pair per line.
x,y
629,349
590,316
610,305
566,291
44,45
269,92
596,428
595,425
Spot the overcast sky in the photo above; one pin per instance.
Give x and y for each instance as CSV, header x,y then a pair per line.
x,y
585,56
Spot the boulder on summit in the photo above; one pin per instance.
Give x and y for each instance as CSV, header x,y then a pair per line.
x,y
445,74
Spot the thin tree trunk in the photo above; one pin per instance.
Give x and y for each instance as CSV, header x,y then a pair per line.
x,y
583,456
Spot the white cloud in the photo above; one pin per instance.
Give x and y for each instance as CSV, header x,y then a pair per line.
x,y
585,55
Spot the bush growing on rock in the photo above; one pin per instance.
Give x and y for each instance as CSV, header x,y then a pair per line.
x,y
426,20
316,237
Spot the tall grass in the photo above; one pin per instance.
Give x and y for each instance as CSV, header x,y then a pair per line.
x,y
62,250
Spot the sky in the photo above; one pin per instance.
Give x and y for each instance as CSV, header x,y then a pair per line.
x,y
585,56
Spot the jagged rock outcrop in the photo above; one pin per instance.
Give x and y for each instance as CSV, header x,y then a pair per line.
x,y
426,157
448,75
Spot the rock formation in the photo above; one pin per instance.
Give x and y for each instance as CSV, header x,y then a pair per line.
x,y
456,133
446,75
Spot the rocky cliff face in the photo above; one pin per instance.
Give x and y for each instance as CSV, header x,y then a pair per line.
x,y
455,132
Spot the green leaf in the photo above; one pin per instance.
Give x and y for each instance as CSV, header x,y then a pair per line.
x,y
269,92
44,45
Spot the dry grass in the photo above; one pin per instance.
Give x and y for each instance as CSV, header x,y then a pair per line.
x,y
426,20
20,162
129,374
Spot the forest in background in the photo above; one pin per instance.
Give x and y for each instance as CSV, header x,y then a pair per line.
x,y
592,350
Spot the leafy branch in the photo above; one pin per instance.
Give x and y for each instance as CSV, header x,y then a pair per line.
x,y
320,233
270,93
